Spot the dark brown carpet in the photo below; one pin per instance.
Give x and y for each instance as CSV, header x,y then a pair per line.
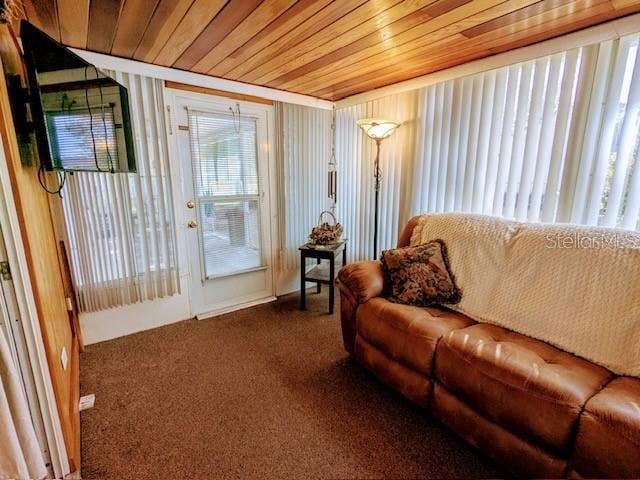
x,y
266,392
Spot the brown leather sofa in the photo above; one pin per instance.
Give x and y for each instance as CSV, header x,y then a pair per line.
x,y
534,409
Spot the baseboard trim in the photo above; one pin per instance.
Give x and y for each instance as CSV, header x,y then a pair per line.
x,y
222,311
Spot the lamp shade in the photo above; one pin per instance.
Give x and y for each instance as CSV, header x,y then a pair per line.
x,y
377,128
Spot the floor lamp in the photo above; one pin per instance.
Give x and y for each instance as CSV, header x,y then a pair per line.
x,y
378,130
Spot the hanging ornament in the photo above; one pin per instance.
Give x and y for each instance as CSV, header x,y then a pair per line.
x,y
332,183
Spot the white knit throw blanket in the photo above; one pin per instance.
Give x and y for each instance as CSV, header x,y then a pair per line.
x,y
575,287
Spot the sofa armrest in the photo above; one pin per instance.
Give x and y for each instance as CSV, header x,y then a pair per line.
x,y
359,282
364,280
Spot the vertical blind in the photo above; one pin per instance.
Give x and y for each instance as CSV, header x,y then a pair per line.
x,y
506,131
355,153
303,150
121,227
225,176
554,139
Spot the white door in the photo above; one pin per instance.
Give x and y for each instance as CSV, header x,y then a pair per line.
x,y
225,165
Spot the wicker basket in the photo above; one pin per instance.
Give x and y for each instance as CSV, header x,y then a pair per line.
x,y
326,233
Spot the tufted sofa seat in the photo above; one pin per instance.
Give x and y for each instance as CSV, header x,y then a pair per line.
x,y
608,440
503,370
399,342
534,409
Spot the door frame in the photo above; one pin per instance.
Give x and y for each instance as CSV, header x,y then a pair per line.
x,y
15,335
173,98
30,322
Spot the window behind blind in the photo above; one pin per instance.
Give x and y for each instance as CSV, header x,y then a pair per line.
x,y
83,140
225,176
121,226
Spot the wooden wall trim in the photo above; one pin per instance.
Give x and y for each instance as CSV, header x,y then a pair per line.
x,y
581,38
30,321
166,73
220,93
43,265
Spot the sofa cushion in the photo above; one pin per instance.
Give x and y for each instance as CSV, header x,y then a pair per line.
x,y
406,334
608,441
504,447
525,385
413,385
419,275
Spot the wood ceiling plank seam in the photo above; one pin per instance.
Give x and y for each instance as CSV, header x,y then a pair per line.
x,y
563,16
416,39
135,13
71,15
200,13
364,14
544,33
360,55
439,8
405,23
371,25
146,28
563,11
390,74
445,6
442,26
103,21
233,13
465,51
261,17
445,43
44,15
564,24
284,23
301,33
407,57
621,4
521,14
163,23
594,18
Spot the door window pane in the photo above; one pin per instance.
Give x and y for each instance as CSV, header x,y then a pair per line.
x,y
225,177
230,236
224,154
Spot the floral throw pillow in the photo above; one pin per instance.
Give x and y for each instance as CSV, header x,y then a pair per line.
x,y
420,275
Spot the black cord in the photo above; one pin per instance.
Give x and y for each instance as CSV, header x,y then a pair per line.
x,y
62,179
111,169
93,138
104,123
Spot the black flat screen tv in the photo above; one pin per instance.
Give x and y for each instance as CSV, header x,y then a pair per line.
x,y
80,116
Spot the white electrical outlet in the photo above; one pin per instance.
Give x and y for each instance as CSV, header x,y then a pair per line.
x,y
87,401
64,358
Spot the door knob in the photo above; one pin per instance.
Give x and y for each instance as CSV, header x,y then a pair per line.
x,y
192,224
191,204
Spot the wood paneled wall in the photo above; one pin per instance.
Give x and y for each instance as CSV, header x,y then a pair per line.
x,y
43,257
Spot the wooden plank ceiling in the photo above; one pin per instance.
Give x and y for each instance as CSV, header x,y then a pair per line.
x,y
326,48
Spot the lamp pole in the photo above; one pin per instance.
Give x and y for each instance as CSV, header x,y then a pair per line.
x,y
376,174
377,130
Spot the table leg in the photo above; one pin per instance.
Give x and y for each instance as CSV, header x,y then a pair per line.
x,y
318,284
344,256
303,305
332,284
